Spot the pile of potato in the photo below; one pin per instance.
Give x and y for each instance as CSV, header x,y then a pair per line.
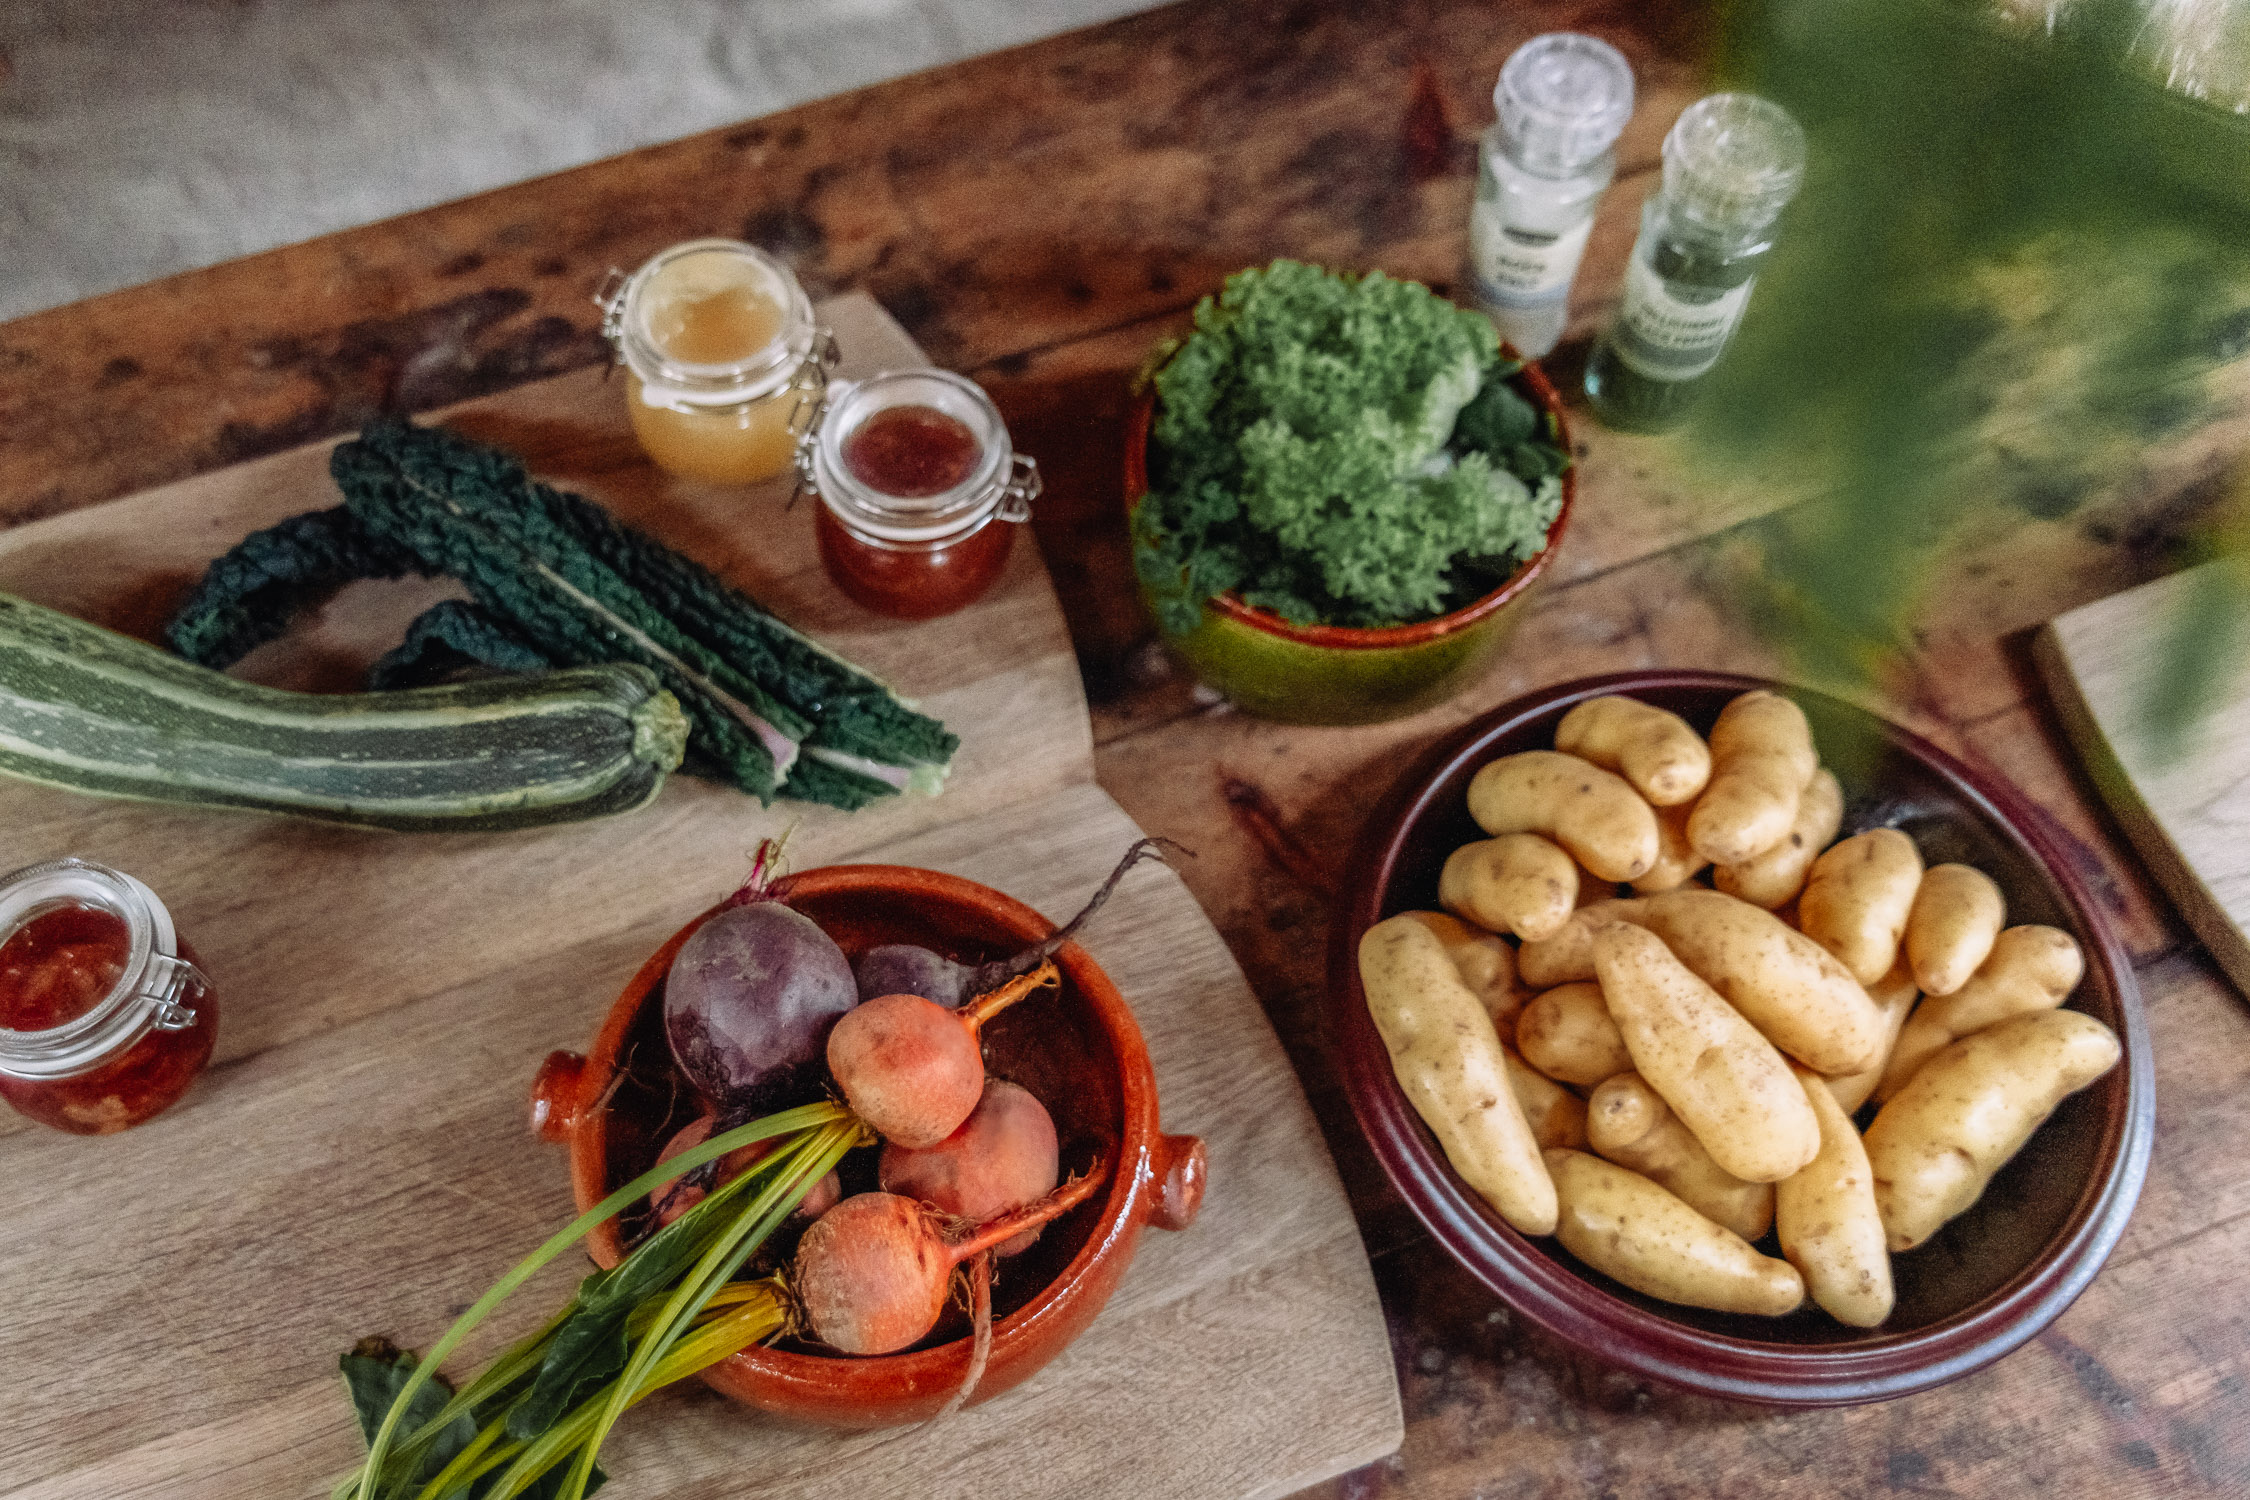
x,y
1685,1061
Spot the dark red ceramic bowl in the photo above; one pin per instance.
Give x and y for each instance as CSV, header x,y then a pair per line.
x,y
1990,1280
1079,1051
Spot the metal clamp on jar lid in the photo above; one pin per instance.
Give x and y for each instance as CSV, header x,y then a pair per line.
x,y
728,365
912,467
154,990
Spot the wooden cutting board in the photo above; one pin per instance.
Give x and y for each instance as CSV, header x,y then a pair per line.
x,y
2186,806
173,1300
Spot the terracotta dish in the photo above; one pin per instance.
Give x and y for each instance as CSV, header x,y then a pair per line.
x,y
1079,1051
1990,1280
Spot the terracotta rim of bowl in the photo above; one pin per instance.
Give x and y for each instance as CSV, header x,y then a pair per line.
x,y
1134,1195
1591,1319
1349,638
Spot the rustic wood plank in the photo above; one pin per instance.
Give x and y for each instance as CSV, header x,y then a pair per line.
x,y
393,1180
2021,745
1133,166
999,672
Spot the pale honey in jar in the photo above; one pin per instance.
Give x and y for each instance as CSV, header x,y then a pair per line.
x,y
725,365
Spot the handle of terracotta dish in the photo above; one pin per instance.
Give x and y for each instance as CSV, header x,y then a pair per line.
x,y
1182,1167
554,1097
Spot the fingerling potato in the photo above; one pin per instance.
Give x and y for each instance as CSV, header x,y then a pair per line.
x,y
1627,1122
1665,760
1517,883
1950,931
1628,1228
1774,878
1894,995
1793,990
1568,955
1593,813
1487,964
1556,1115
2031,968
1676,859
1967,1111
1567,1034
1828,1224
1725,1081
1856,900
1449,1062
1761,758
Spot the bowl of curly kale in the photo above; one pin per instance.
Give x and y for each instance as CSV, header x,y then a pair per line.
x,y
1341,488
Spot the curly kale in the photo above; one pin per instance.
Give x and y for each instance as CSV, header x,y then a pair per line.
x,y
1339,449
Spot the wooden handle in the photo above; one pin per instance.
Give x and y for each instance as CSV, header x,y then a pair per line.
x,y
1183,1168
554,1097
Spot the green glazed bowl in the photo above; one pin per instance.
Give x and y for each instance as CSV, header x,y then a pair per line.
x,y
1333,674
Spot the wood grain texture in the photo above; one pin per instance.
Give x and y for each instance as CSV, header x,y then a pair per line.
x,y
172,1323
2184,803
1044,246
999,206
387,998
999,672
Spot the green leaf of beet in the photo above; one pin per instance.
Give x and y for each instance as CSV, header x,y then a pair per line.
x,y
375,1371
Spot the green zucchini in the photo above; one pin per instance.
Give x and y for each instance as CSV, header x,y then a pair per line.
x,y
92,711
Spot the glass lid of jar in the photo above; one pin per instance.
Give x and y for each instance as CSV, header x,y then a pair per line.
x,y
147,993
996,481
712,322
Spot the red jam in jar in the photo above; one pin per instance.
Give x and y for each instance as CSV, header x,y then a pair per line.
x,y
911,452
105,1016
920,491
912,583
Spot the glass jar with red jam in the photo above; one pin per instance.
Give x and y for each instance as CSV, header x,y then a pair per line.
x,y
920,491
105,1017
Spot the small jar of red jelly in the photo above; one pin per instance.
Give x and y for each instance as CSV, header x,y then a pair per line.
x,y
920,491
105,1018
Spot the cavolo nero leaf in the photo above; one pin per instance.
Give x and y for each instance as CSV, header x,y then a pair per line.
x,y
560,582
1338,449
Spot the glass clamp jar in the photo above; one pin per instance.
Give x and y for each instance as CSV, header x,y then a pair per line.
x,y
105,1016
913,469
726,364
1559,106
1732,163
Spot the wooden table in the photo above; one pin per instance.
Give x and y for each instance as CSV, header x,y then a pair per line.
x,y
1036,218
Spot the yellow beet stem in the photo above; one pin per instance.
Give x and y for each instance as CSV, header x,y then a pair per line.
x,y
984,1007
458,1473
1057,1203
368,1480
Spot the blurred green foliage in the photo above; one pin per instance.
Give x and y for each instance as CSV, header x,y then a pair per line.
x,y
2016,264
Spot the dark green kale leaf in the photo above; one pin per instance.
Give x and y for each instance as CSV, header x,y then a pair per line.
x,y
559,581
249,596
